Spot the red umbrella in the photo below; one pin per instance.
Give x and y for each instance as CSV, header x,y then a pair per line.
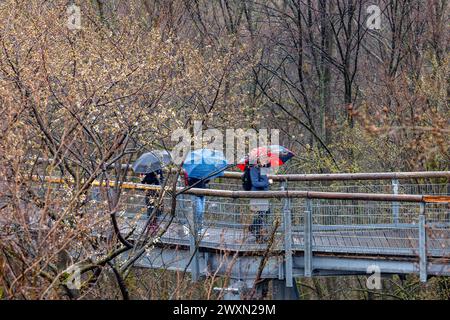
x,y
273,155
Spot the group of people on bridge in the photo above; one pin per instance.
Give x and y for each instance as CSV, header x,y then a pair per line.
x,y
200,167
254,179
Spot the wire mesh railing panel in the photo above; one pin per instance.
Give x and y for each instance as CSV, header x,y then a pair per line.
x,y
232,223
226,222
297,208
438,229
388,187
341,186
362,227
425,188
226,184
351,226
338,226
368,227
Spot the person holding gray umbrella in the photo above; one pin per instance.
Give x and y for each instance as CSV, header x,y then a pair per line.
x,y
150,164
153,178
152,161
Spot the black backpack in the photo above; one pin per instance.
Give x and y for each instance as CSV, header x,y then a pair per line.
x,y
246,180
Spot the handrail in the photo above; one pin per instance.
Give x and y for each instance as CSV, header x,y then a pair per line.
x,y
350,176
271,194
331,176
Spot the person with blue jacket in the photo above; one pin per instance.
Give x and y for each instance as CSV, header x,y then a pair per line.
x,y
259,182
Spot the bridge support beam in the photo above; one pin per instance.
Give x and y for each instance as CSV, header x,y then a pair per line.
x,y
287,218
246,267
308,239
422,245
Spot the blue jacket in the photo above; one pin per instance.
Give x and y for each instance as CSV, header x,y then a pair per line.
x,y
259,182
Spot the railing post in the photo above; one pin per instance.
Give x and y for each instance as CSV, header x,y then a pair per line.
x,y
182,204
395,204
422,244
193,243
308,239
287,218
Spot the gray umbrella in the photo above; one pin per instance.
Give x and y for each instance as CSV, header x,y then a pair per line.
x,y
152,161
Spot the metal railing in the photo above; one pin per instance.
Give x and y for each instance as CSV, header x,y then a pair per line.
x,y
304,222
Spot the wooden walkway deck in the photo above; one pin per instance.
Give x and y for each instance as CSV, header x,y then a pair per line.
x,y
389,241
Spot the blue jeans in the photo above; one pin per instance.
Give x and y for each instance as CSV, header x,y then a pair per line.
x,y
199,203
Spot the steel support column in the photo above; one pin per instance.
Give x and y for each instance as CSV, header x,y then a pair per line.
x,y
308,238
193,243
395,204
287,219
280,291
422,244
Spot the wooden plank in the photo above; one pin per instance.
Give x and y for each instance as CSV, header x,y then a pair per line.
x,y
382,237
351,240
341,240
325,240
393,239
333,240
317,240
375,241
390,238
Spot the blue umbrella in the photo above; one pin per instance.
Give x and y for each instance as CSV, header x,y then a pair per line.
x,y
201,163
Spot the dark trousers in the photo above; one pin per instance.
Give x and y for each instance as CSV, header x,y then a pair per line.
x,y
259,222
150,204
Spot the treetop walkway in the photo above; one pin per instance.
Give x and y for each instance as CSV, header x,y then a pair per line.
x,y
319,224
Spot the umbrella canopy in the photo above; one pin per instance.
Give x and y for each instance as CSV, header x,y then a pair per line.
x,y
152,161
201,163
273,155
